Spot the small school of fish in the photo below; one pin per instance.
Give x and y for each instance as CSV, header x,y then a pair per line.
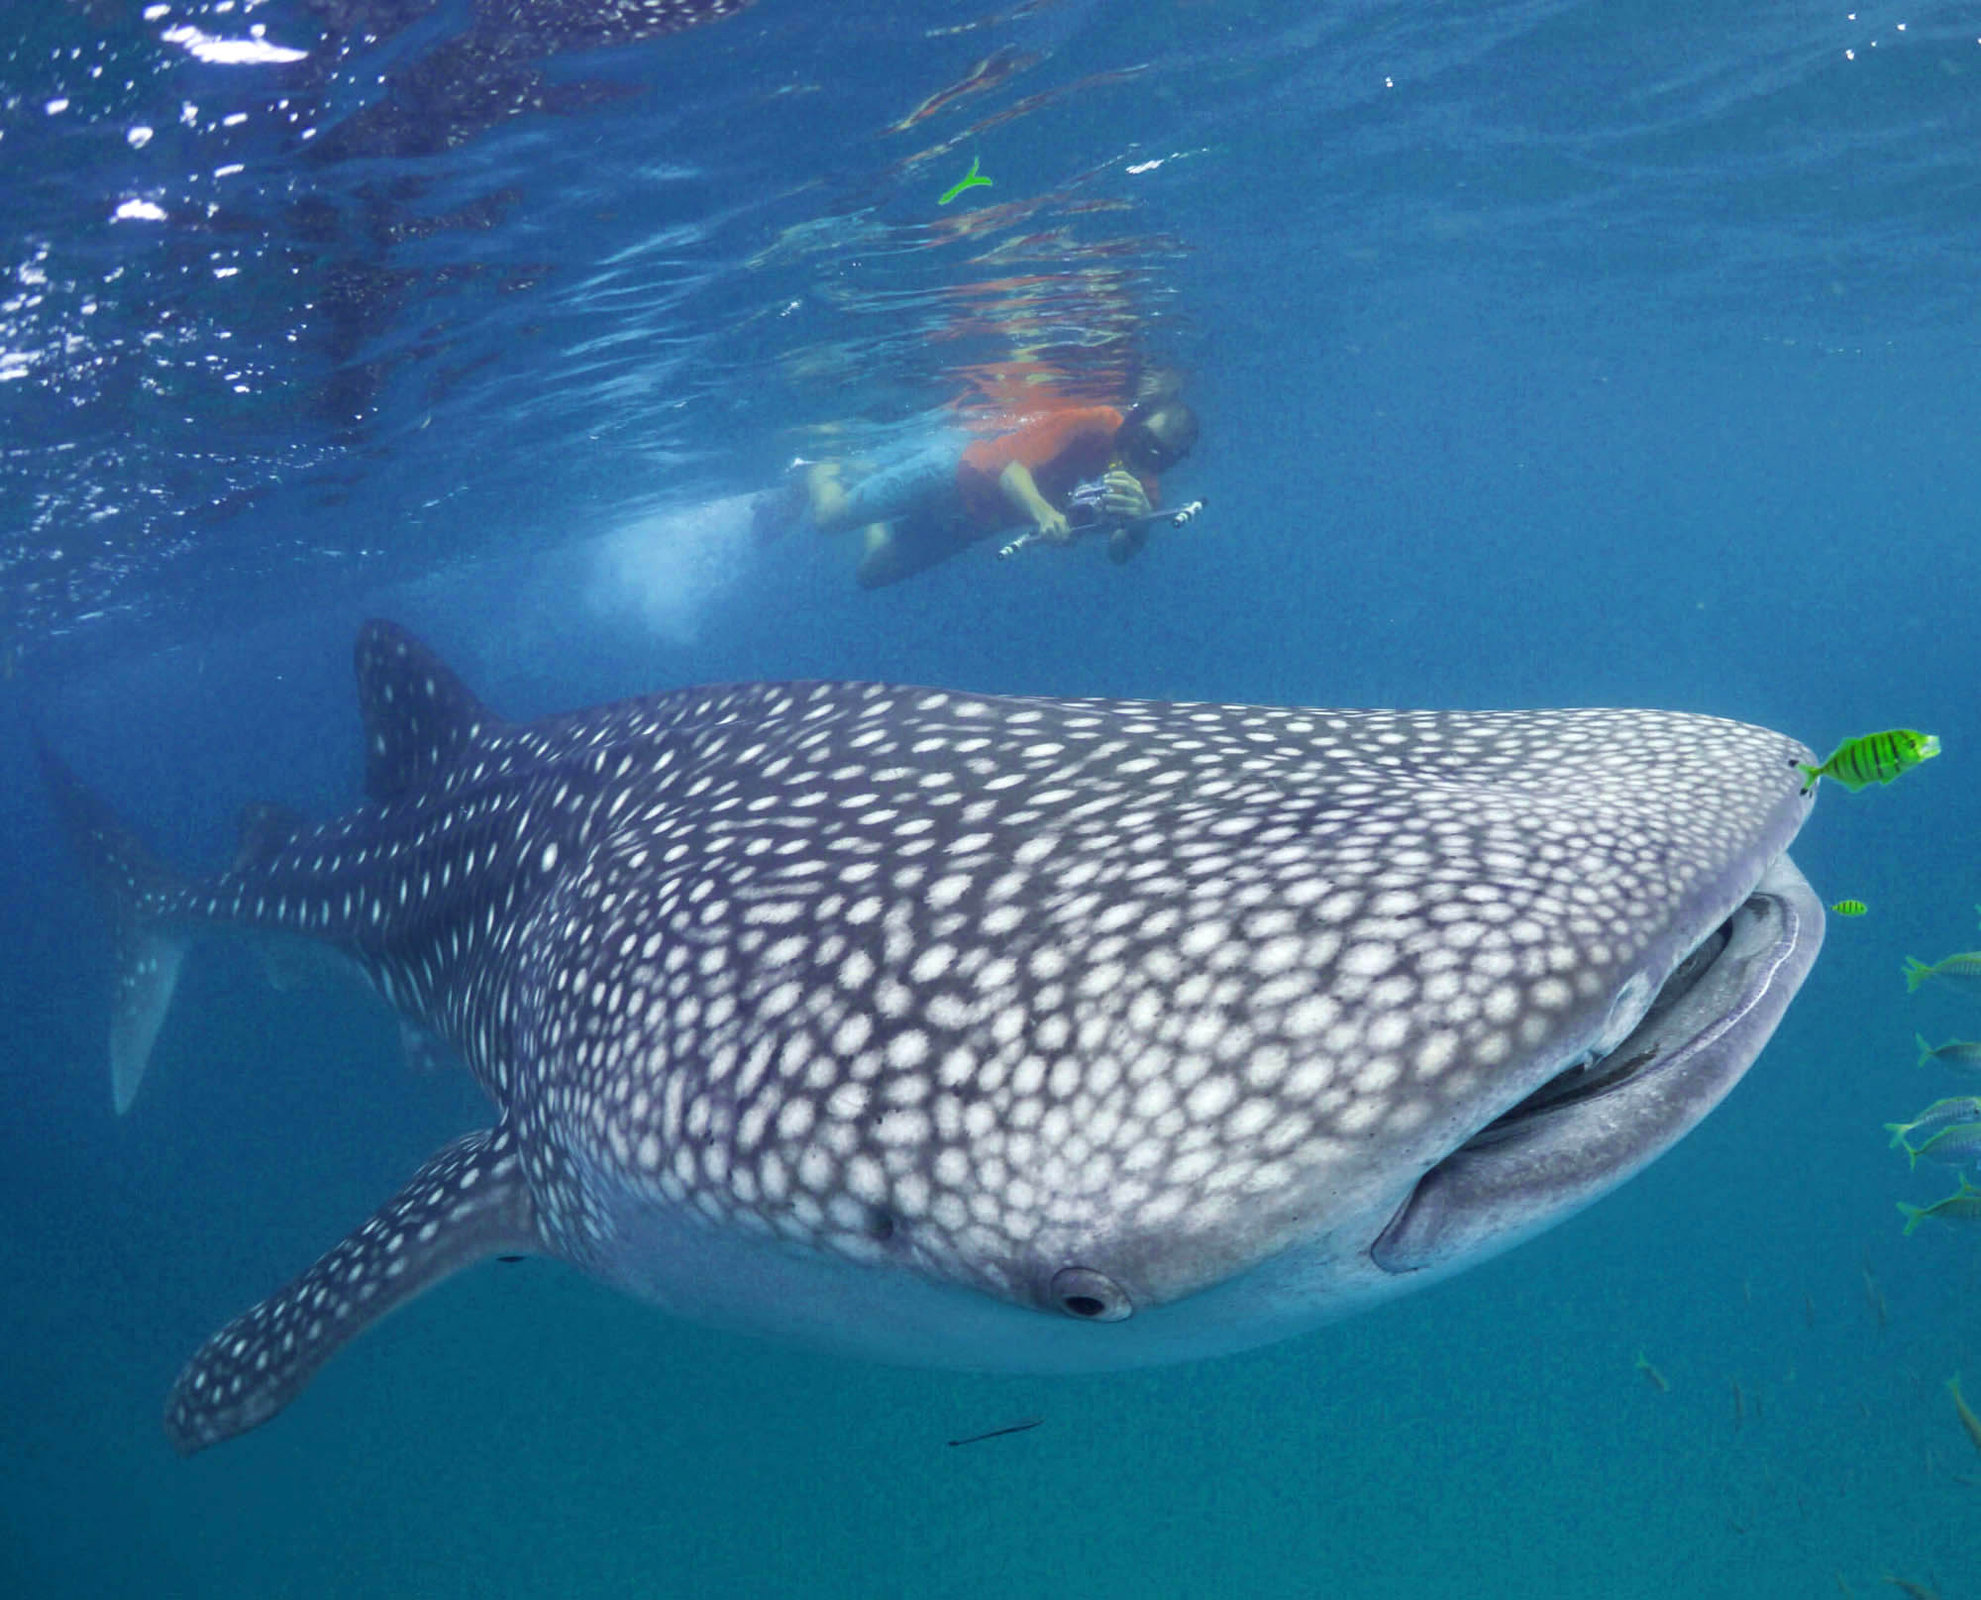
x,y
1947,1132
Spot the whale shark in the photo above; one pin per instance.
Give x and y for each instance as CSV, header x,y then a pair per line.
x,y
1017,1034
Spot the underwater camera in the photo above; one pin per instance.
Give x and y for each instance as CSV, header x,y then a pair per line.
x,y
1086,508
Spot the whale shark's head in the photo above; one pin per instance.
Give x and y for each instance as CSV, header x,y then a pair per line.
x,y
1081,1034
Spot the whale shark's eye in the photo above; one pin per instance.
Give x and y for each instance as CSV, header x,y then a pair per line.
x,y
1089,1295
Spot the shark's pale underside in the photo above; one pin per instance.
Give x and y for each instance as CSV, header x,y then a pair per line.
x,y
1007,1033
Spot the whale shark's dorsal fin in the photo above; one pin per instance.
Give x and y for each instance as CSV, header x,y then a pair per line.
x,y
468,1203
419,717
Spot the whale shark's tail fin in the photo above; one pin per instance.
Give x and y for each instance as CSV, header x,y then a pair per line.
x,y
468,1203
138,892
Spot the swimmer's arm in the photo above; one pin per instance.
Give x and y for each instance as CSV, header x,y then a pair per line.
x,y
1123,544
1127,495
1022,495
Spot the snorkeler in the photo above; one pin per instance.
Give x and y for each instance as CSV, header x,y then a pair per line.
x,y
1071,468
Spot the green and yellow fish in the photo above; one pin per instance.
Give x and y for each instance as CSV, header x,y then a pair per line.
x,y
1962,971
1875,758
1954,1146
972,180
1963,1055
1968,1420
1964,1204
1956,1108
1849,908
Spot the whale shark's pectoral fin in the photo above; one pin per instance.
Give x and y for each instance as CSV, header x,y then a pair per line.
x,y
466,1204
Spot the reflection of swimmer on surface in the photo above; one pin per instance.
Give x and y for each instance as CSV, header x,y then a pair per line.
x,y
929,500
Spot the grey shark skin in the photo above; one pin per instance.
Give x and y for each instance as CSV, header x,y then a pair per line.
x,y
1017,1034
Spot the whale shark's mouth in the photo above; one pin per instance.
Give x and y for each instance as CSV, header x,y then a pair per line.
x,y
1602,1118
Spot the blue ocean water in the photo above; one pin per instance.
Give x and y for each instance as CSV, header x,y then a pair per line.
x,y
1548,353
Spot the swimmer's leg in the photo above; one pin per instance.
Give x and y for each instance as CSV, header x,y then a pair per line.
x,y
817,492
826,494
897,550
876,545
919,482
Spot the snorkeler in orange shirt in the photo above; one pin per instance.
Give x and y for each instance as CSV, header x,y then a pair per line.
x,y
936,498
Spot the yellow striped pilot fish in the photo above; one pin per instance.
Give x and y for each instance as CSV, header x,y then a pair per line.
x,y
1874,758
1849,908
